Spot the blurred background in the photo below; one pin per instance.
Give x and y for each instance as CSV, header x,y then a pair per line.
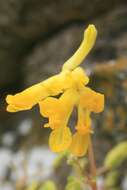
x,y
36,38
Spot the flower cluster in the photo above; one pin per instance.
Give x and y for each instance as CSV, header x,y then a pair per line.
x,y
70,85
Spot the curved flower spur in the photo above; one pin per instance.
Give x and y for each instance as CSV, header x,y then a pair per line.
x,y
70,84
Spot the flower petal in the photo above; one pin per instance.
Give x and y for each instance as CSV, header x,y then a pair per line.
x,y
86,45
60,139
84,121
92,100
79,76
48,106
27,98
59,110
79,144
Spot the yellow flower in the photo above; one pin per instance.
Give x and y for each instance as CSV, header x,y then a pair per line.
x,y
90,101
58,111
80,140
70,86
51,87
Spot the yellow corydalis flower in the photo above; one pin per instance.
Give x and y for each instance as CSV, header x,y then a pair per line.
x,y
70,85
80,139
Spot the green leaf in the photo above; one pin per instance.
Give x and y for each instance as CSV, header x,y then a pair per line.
x,y
59,159
116,156
74,184
32,186
111,179
48,185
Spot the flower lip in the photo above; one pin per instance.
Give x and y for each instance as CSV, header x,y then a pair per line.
x,y
58,110
91,100
60,139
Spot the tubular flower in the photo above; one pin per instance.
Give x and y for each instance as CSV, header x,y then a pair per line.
x,y
80,140
58,111
70,85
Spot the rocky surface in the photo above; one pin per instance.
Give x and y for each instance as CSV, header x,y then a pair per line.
x,y
25,24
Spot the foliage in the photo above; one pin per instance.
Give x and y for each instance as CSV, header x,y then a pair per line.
x,y
59,159
74,184
116,156
32,186
112,179
48,185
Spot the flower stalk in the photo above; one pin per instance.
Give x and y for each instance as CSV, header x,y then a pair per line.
x,y
92,164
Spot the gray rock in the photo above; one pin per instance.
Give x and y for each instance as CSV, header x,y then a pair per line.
x,y
24,24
